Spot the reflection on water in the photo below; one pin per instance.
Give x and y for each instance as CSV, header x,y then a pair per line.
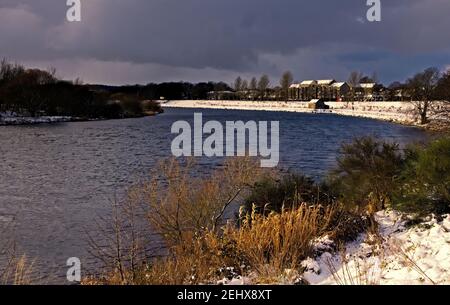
x,y
56,179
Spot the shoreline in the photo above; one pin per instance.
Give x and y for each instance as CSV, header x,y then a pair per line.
x,y
25,121
394,112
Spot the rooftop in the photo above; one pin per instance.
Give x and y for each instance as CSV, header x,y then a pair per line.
x,y
308,82
325,81
338,85
367,85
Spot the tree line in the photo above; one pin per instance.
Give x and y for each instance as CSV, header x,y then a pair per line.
x,y
261,89
168,90
35,92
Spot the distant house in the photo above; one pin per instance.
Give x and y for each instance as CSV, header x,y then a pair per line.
x,y
399,95
366,91
339,91
324,89
331,90
304,91
308,90
294,92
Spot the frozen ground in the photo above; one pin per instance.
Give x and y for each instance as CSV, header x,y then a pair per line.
x,y
399,112
418,255
399,255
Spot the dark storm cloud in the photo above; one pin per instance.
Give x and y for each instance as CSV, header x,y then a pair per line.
x,y
226,37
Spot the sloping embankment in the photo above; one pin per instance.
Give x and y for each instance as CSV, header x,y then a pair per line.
x,y
399,112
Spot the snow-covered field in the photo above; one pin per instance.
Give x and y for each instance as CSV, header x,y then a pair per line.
x,y
399,112
418,255
399,255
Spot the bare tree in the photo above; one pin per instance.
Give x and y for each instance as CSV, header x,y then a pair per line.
x,y
355,78
263,85
422,88
253,84
285,82
374,77
118,242
443,94
244,87
238,84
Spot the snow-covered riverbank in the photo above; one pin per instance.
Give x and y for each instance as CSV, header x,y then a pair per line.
x,y
399,112
33,120
398,255
7,119
12,118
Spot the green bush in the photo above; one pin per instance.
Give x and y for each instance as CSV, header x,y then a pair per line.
x,y
426,179
367,169
370,175
288,191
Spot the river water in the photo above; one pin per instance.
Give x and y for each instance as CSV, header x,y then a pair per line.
x,y
56,180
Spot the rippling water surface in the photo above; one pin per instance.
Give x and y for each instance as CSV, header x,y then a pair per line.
x,y
56,179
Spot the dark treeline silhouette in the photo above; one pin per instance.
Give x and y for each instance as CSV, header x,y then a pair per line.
x,y
34,92
167,91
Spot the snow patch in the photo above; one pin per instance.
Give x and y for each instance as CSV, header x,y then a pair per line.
x,y
398,255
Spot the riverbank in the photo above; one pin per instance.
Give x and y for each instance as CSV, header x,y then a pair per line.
x,y
18,120
397,112
7,121
399,254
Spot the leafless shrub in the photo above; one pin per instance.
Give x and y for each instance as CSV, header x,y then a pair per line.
x,y
179,201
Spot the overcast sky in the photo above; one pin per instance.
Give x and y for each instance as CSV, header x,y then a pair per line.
x,y
142,41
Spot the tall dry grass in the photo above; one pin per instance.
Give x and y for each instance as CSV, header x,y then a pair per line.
x,y
18,271
281,241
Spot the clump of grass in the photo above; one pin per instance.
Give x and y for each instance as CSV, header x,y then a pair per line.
x,y
354,271
18,271
281,241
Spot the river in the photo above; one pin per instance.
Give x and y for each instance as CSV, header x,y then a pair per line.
x,y
55,180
